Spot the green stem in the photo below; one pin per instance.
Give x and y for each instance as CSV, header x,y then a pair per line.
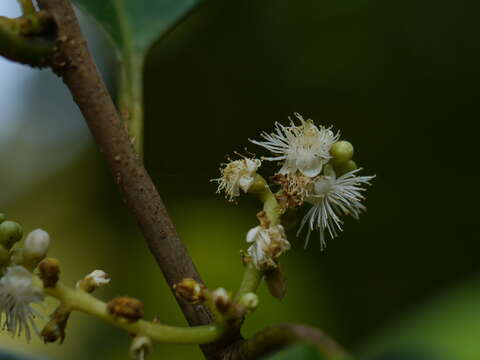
x,y
250,282
271,206
34,51
27,7
130,97
252,276
81,301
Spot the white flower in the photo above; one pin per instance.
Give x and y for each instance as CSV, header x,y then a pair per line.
x,y
17,292
305,147
268,245
331,197
236,175
37,244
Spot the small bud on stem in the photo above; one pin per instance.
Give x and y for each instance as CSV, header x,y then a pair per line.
x,y
49,272
94,280
190,290
125,307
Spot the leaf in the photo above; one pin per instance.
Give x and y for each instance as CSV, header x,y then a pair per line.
x,y
134,25
299,352
445,328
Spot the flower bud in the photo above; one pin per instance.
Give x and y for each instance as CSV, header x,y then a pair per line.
x,y
94,280
345,167
141,347
129,308
35,248
10,233
55,329
249,301
221,299
190,290
276,284
342,151
49,272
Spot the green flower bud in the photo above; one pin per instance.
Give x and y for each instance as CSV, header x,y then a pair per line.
x,y
342,151
4,256
10,233
345,167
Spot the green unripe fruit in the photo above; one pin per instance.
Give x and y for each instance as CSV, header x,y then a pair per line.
x,y
342,151
2,218
10,233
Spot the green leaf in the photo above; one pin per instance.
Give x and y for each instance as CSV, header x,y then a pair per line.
x,y
134,25
445,328
299,352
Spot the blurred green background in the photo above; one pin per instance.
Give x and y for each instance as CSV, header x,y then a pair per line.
x,y
399,79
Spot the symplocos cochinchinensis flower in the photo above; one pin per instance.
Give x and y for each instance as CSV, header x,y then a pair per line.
x,y
267,245
305,147
317,169
331,197
17,293
236,175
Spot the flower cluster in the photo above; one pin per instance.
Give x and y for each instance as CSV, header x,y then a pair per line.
x,y
316,168
18,290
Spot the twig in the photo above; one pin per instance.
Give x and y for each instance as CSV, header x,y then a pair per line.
x,y
18,44
279,336
73,62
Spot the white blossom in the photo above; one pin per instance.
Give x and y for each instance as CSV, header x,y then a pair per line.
x,y
332,197
236,175
305,147
267,245
17,293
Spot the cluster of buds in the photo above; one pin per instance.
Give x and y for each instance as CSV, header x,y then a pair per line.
x,y
18,290
191,291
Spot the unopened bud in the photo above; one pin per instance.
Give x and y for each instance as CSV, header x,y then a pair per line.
x,y
276,283
55,328
342,151
49,272
37,243
35,248
4,256
94,280
190,290
10,233
128,308
249,301
345,167
221,299
141,347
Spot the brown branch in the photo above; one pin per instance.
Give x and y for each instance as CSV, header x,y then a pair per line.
x,y
72,61
279,336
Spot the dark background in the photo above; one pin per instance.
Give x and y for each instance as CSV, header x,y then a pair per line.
x,y
399,79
